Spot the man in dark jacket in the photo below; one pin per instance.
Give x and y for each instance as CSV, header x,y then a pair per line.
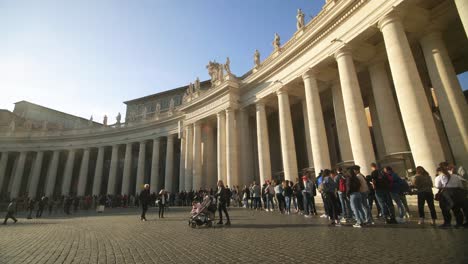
x,y
145,198
223,197
11,212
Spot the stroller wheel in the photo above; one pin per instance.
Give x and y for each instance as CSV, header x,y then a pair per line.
x,y
193,225
209,224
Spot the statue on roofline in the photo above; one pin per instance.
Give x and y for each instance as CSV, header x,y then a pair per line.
x,y
277,42
300,19
257,59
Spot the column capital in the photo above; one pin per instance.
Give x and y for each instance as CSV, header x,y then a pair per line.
x,y
229,110
392,17
343,51
170,137
159,139
310,73
260,105
220,113
281,91
143,142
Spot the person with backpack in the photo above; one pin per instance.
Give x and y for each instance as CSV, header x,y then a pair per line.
x,y
306,194
395,186
423,184
450,186
11,212
353,192
346,213
298,200
381,184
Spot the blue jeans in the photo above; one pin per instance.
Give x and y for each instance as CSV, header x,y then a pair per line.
x,y
356,206
386,205
269,201
287,200
345,206
307,205
365,204
399,203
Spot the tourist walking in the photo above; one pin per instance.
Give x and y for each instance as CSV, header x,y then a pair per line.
x,y
40,208
144,200
395,187
223,197
162,202
31,207
11,210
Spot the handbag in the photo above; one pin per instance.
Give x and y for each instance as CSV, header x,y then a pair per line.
x,y
438,195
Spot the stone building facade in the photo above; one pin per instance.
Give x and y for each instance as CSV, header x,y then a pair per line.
x,y
356,84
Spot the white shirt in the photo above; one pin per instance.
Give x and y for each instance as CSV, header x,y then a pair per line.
x,y
442,181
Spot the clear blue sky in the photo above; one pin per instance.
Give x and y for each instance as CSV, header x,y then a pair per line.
x,y
86,57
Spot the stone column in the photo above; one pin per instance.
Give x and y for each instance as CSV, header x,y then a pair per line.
x,y
155,182
197,165
3,166
188,158
35,174
52,174
221,146
141,168
18,175
359,135
310,157
210,177
341,125
462,7
288,148
318,136
182,163
376,130
452,103
98,171
68,173
232,166
83,178
392,132
113,170
263,143
169,177
246,157
127,171
417,116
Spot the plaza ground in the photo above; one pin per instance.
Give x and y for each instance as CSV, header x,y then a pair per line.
x,y
117,236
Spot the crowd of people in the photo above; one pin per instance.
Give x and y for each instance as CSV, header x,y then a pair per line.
x,y
347,195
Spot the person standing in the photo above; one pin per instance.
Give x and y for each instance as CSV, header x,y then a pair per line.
x,y
287,193
223,197
256,196
144,200
364,190
42,203
306,193
11,212
353,186
162,202
346,214
329,187
381,184
31,208
449,186
396,183
423,184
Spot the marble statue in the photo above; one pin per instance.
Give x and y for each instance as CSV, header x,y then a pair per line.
x,y
12,125
104,122
300,19
215,72
171,105
197,84
144,113
276,42
257,59
158,109
191,89
118,118
227,66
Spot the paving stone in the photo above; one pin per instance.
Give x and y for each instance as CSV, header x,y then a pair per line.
x,y
117,236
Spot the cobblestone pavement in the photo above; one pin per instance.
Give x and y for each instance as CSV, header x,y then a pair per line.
x,y
118,236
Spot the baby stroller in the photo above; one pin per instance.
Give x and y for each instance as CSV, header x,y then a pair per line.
x,y
203,214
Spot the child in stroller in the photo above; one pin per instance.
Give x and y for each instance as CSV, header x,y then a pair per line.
x,y
202,213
